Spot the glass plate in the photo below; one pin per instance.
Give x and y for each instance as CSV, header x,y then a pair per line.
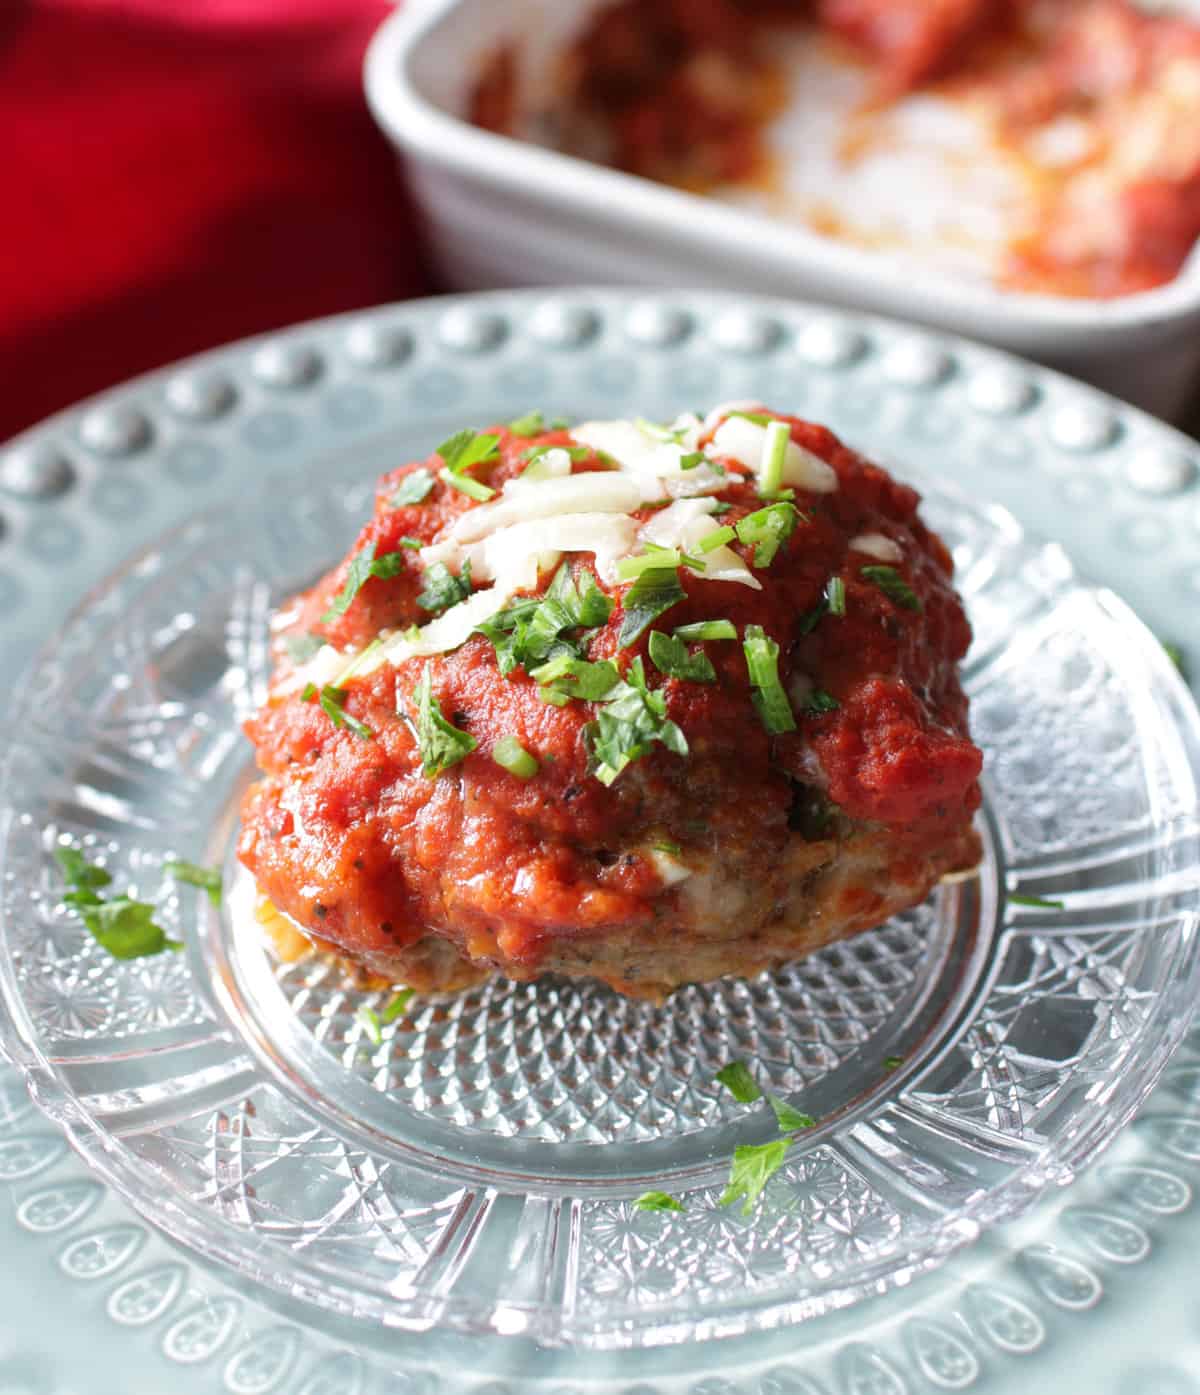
x,y
476,1170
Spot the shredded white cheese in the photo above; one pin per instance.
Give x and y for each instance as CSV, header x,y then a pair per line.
x,y
878,546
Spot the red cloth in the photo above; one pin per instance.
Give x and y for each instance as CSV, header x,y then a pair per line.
x,y
181,173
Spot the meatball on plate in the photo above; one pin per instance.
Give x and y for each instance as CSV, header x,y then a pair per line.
x,y
649,703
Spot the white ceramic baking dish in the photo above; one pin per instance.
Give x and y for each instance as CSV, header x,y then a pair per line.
x,y
509,212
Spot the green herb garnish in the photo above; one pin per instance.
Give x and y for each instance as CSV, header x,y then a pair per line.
x,y
631,720
510,755
753,1167
1039,903
893,1062
396,1005
565,677
530,632
766,530
739,1082
774,453
462,451
654,592
528,425
835,596
441,745
790,1119
442,588
758,418
819,701
671,656
717,538
657,1201
124,927
665,846
770,700
706,629
333,702
534,453
363,566
893,585
208,879
368,1020
413,489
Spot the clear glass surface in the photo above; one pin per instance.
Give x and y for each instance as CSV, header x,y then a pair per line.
x,y
477,1168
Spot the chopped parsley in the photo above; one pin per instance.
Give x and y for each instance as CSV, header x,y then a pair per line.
x,y
363,566
893,1062
1175,654
532,631
443,589
441,745
790,1119
717,538
565,677
893,585
767,529
774,453
396,1005
208,879
120,925
758,418
301,648
632,719
531,424
654,592
333,704
739,1082
510,755
462,451
368,1020
820,702
664,845
753,1167
413,489
690,459
1039,903
707,629
657,1201
670,656
770,700
835,596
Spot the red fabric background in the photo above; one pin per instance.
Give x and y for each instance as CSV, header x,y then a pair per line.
x,y
180,173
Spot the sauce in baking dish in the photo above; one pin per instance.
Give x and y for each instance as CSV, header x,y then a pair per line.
x,y
1046,145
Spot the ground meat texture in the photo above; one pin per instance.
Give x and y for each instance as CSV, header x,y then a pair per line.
x,y
789,841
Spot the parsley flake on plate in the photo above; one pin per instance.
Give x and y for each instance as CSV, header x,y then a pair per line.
x,y
565,677
819,702
207,879
368,1019
1038,903
120,925
706,629
739,1082
790,1119
753,1167
510,755
396,1004
658,1201
441,744
632,718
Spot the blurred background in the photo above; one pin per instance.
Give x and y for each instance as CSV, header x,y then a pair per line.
x,y
182,173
